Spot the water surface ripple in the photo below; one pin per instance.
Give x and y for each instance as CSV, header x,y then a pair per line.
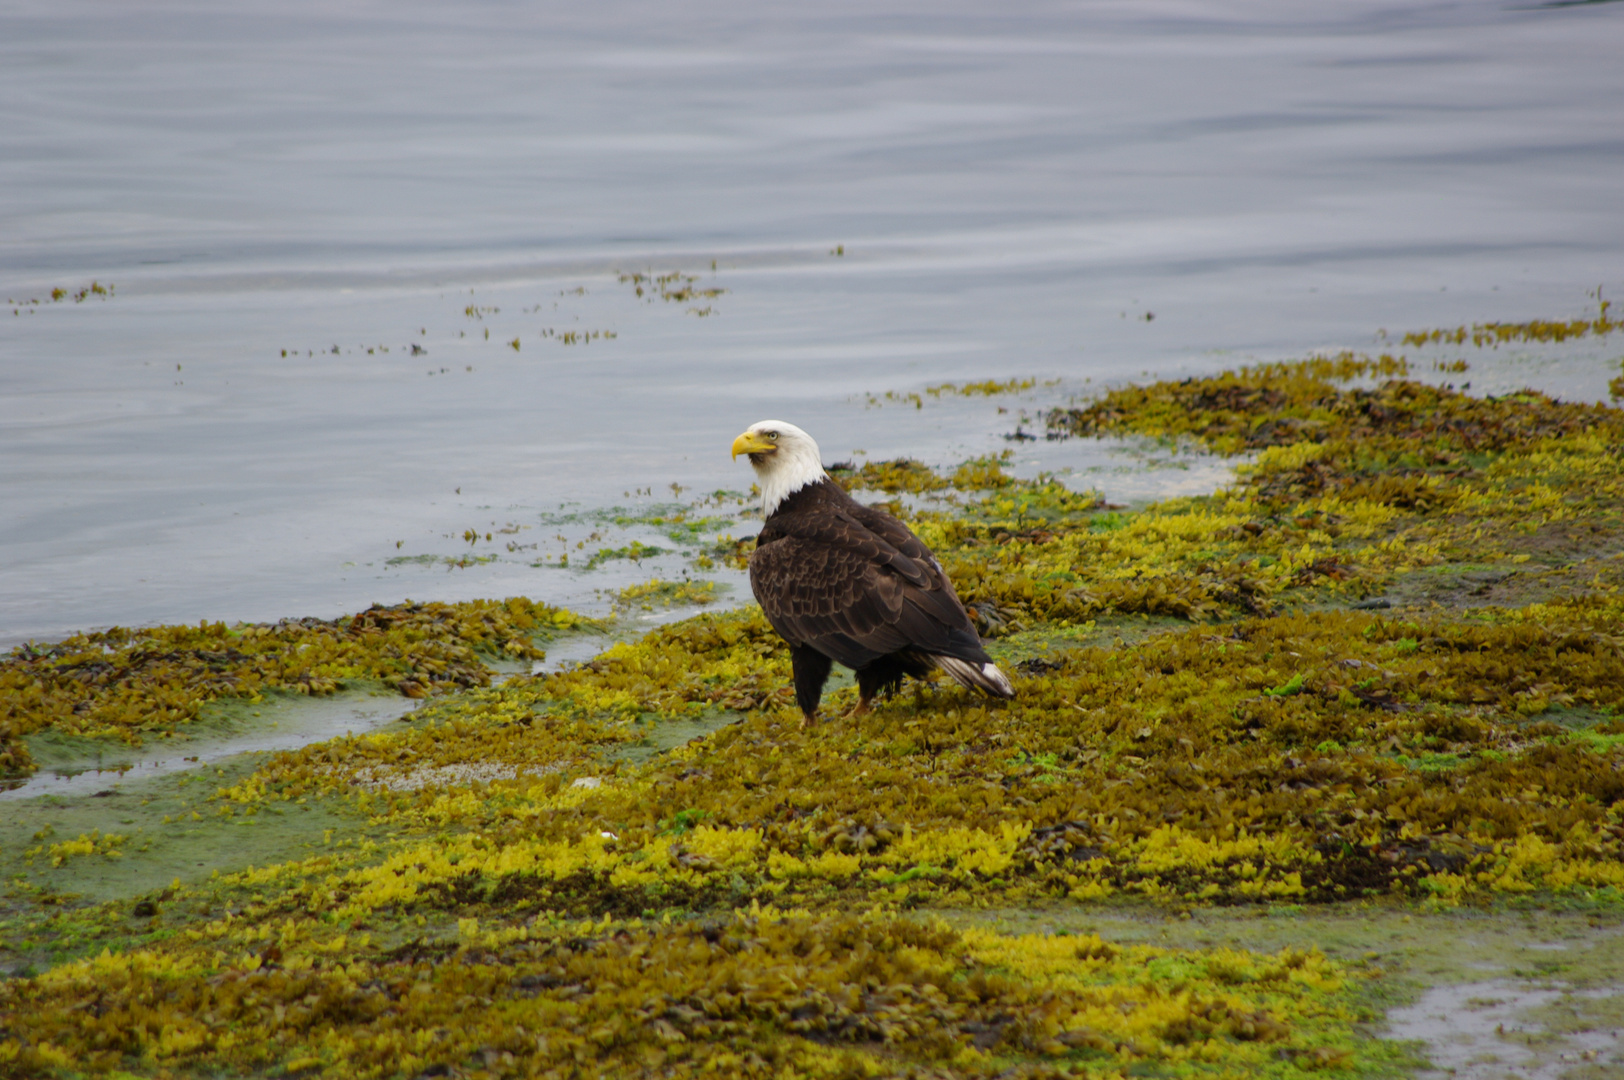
x,y
1074,192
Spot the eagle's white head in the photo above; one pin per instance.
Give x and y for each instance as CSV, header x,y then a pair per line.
x,y
786,459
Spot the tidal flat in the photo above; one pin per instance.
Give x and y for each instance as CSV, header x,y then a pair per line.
x,y
1320,773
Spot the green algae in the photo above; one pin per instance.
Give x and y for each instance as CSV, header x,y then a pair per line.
x,y
703,538
633,552
455,562
172,832
662,735
221,724
644,865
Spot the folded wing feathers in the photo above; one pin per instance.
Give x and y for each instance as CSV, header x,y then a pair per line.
x,y
984,677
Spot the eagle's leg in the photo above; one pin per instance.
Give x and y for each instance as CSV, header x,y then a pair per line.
x,y
882,675
811,672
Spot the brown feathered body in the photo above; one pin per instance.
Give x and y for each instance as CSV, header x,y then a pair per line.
x,y
850,584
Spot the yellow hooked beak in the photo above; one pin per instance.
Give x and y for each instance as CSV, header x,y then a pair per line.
x,y
752,443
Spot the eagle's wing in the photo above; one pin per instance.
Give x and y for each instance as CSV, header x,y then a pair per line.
x,y
900,537
853,594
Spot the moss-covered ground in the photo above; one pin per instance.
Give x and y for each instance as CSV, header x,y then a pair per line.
x,y
1279,757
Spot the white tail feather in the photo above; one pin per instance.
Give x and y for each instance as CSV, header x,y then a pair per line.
x,y
984,677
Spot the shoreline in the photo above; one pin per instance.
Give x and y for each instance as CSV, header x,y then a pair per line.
x,y
1235,797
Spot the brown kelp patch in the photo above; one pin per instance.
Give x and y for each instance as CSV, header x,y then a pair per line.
x,y
123,683
1495,334
659,593
1317,756
1308,401
900,476
984,388
59,294
761,993
1352,487
674,287
543,726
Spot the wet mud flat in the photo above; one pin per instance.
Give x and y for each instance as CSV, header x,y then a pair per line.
x,y
1322,773
1483,993
78,766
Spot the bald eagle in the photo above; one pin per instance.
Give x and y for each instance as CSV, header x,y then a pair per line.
x,y
848,583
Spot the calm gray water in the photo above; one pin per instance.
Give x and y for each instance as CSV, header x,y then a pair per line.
x,y
1013,193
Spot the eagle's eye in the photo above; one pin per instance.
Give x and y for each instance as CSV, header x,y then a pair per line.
x,y
773,435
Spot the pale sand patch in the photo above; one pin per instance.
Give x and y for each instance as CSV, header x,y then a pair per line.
x,y
463,774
